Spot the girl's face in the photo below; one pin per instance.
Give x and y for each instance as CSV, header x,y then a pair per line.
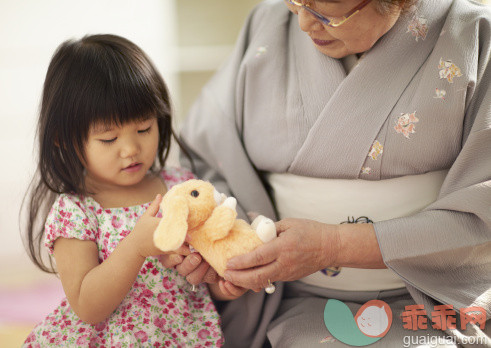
x,y
356,35
120,156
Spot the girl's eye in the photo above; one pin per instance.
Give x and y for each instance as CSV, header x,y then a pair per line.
x,y
108,141
146,130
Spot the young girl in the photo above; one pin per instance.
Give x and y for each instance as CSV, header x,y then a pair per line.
x,y
104,130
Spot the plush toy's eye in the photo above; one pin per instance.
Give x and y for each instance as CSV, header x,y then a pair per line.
x,y
194,193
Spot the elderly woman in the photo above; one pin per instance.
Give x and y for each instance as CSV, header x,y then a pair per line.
x,y
366,128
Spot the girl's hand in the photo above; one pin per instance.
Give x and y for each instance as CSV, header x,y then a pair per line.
x,y
144,229
302,248
192,266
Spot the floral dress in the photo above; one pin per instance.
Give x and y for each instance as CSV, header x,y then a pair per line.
x,y
160,310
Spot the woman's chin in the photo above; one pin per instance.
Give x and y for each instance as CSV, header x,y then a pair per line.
x,y
335,54
338,54
333,51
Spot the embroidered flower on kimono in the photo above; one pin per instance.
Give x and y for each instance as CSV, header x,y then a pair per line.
x,y
418,27
366,170
261,50
440,93
328,339
405,124
376,150
331,271
448,70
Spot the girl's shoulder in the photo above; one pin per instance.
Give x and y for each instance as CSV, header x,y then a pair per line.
x,y
69,201
175,175
77,202
71,216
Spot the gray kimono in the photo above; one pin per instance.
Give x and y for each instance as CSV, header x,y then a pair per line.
x,y
418,101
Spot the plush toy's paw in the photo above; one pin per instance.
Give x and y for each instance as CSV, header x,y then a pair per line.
x,y
257,220
266,229
219,197
230,202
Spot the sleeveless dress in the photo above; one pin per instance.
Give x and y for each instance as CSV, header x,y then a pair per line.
x,y
160,310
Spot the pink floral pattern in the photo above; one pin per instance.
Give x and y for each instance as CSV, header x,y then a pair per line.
x,y
405,124
159,311
418,27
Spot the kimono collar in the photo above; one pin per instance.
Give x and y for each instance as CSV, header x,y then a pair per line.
x,y
351,109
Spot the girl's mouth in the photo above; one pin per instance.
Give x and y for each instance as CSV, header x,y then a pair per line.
x,y
133,167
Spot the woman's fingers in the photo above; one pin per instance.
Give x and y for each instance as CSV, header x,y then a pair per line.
x,y
170,260
233,290
193,267
211,276
196,276
183,250
175,258
189,264
255,278
260,256
223,289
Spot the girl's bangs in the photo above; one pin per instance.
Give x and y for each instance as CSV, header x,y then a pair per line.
x,y
116,86
124,99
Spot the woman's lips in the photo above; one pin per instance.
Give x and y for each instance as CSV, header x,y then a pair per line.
x,y
323,42
134,167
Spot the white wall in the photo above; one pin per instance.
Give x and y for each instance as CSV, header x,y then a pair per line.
x,y
30,31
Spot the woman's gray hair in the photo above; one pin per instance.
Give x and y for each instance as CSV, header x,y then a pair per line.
x,y
386,6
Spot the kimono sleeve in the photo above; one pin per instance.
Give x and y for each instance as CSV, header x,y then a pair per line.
x,y
212,131
69,218
445,250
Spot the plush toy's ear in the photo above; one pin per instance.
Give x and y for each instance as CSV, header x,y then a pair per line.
x,y
172,229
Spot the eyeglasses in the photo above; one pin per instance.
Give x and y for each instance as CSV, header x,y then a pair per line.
x,y
333,22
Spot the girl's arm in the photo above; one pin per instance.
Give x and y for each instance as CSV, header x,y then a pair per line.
x,y
94,290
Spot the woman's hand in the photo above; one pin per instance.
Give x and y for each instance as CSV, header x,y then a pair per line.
x,y
225,290
302,248
193,267
230,290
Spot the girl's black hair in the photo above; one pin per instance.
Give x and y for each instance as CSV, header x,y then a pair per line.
x,y
97,79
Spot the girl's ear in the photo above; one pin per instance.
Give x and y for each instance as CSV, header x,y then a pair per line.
x,y
173,226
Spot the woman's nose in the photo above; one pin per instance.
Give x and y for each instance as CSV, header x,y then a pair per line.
x,y
307,21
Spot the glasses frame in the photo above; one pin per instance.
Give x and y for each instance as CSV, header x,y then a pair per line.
x,y
327,21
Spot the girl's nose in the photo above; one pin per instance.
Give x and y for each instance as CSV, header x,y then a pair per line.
x,y
130,149
308,22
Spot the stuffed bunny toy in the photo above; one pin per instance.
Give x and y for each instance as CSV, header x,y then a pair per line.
x,y
194,207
